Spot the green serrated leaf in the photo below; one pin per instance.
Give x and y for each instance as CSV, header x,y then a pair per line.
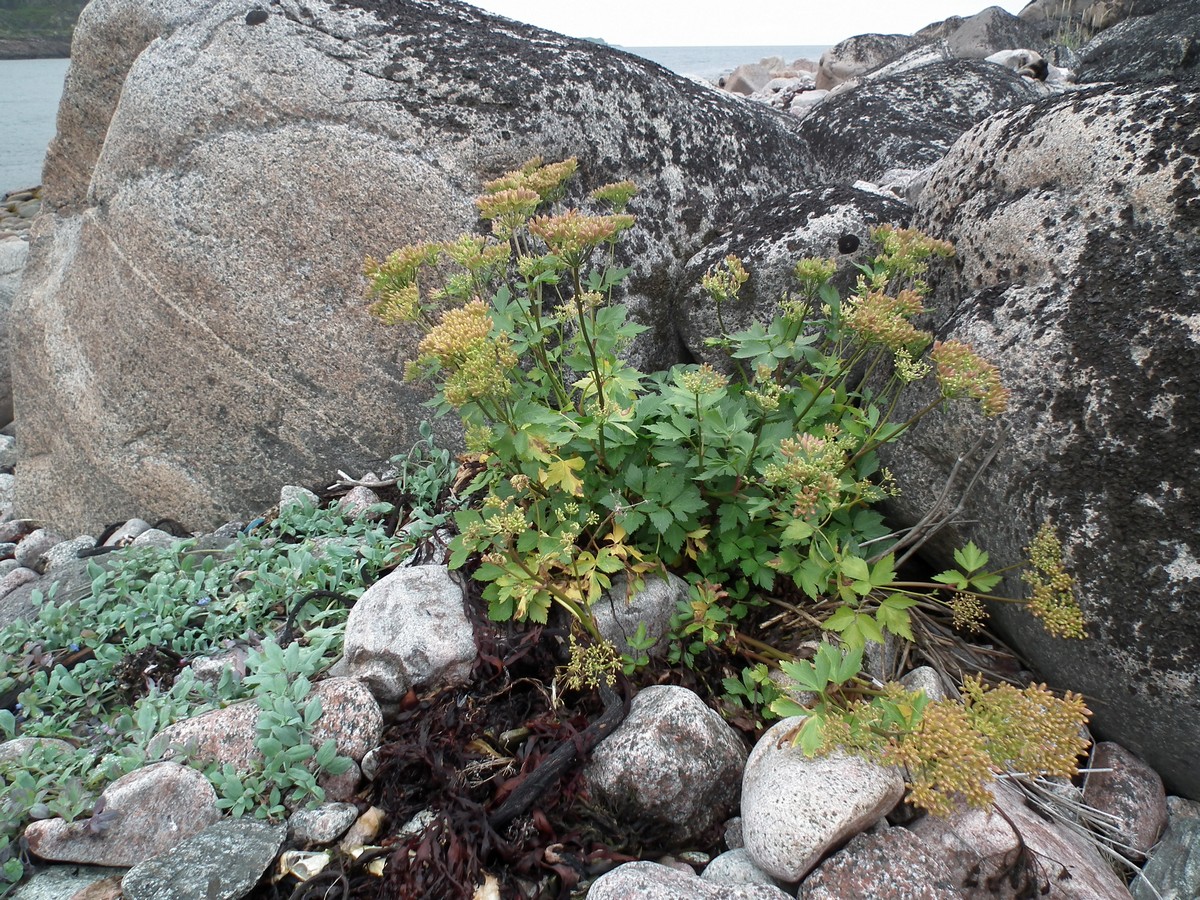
x,y
855,568
970,557
956,580
842,618
869,628
803,674
985,583
884,571
812,735
785,707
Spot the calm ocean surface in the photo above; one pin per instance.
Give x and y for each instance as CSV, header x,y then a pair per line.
x,y
712,62
30,90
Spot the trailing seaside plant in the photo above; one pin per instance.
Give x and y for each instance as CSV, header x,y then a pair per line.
x,y
750,478
108,672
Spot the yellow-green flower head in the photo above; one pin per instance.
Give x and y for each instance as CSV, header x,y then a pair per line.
x,y
881,320
459,332
962,373
548,181
402,265
398,305
617,195
1053,589
703,379
477,254
724,280
513,204
572,234
909,242
808,467
813,271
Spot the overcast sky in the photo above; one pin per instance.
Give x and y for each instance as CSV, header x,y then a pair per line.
x,y
721,23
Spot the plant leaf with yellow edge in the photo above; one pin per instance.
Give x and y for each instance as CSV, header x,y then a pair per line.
x,y
561,473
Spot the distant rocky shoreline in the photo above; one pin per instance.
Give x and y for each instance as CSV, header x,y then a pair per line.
x,y
35,48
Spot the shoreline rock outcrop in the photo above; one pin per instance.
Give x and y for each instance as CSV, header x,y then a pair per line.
x,y
248,352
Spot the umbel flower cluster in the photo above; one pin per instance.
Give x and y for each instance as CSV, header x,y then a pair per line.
x,y
752,476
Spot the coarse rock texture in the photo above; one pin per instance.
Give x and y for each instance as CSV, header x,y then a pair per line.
x,y
1162,46
908,120
747,79
652,881
1079,239
410,629
977,845
1173,869
18,748
858,55
74,882
155,808
892,865
981,35
322,825
109,35
619,613
223,862
1132,793
13,254
736,867
795,808
673,763
342,130
770,239
349,715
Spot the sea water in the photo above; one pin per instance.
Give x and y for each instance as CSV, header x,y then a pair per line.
x,y
710,63
29,94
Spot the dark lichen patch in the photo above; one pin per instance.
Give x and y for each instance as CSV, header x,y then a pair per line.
x,y
1141,294
908,120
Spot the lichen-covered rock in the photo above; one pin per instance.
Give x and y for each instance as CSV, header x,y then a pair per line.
x,y
672,762
1131,793
223,862
148,812
652,881
248,167
1161,46
1075,223
770,239
410,629
1173,870
892,865
795,808
908,120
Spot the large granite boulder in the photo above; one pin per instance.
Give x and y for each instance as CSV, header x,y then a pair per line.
x,y
1160,46
13,253
1075,222
909,120
829,222
191,329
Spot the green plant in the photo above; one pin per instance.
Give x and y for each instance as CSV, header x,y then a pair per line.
x,y
110,671
291,764
750,477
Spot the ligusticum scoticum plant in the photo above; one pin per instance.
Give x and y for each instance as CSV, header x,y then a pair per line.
x,y
752,478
